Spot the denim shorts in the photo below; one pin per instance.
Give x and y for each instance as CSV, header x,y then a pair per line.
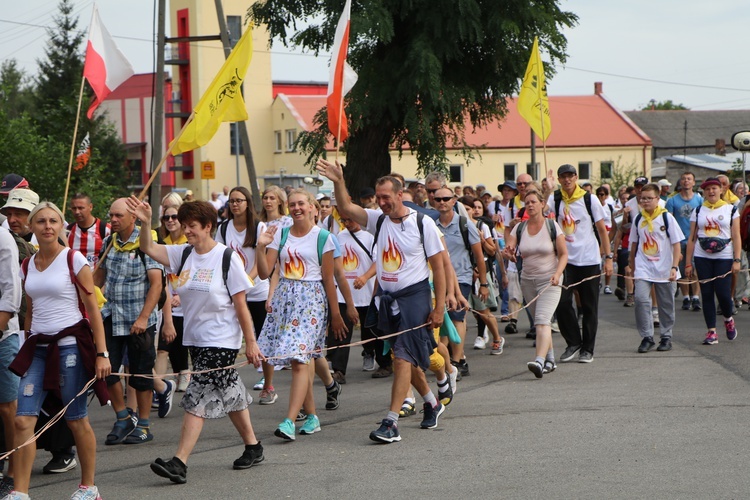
x,y
461,315
72,378
8,379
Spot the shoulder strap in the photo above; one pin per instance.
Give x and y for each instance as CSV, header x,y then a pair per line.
x,y
558,199
361,245
666,222
185,253
552,230
330,223
519,232
322,238
102,229
420,226
378,225
463,226
223,230
70,226
226,261
284,236
25,266
587,202
74,280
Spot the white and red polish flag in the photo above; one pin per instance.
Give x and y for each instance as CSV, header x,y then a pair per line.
x,y
342,78
106,68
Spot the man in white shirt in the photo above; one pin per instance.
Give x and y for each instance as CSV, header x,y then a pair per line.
x,y
579,215
404,249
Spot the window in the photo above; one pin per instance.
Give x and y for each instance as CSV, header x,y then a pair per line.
x,y
455,173
291,136
584,170
277,141
533,170
606,170
234,26
135,172
235,142
509,172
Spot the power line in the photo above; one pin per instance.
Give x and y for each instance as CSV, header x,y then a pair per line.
x,y
681,84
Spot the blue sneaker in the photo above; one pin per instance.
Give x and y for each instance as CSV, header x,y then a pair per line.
x,y
286,430
431,415
386,433
165,400
311,425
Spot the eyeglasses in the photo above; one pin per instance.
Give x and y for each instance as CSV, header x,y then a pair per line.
x,y
443,199
237,201
648,198
169,217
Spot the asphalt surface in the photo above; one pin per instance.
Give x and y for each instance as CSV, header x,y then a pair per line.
x,y
628,425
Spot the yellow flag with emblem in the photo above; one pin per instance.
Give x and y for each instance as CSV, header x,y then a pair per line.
x,y
222,101
532,102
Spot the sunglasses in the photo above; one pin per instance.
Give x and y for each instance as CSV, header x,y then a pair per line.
x,y
431,191
443,199
169,217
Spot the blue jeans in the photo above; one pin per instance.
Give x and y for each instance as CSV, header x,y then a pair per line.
x,y
503,291
722,288
72,378
8,379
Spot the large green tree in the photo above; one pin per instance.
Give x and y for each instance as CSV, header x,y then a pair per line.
x,y
424,67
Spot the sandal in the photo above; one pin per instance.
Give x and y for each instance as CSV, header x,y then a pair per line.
x,y
536,368
139,435
122,429
407,409
549,366
504,318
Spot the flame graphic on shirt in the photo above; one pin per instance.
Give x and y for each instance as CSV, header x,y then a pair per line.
x,y
351,261
238,249
568,222
177,281
650,245
294,269
391,257
500,224
712,227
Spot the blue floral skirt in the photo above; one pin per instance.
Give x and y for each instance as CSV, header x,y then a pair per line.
x,y
296,327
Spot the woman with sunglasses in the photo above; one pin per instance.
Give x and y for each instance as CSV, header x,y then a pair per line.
x,y
240,232
716,244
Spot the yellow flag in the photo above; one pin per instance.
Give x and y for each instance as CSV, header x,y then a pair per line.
x,y
222,102
532,102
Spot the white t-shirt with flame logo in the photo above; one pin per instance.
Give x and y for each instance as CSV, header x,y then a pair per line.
x,y
715,223
299,257
356,263
653,260
400,258
576,224
235,239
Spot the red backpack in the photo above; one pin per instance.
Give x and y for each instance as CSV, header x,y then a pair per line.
x,y
745,228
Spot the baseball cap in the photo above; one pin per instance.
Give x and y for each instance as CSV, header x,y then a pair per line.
x,y
24,199
319,196
566,169
366,192
664,182
11,182
711,181
508,184
487,193
640,180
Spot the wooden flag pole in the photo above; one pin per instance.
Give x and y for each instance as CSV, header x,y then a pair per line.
x,y
154,173
341,113
73,146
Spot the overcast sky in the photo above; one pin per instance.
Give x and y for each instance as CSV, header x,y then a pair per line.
x,y
690,51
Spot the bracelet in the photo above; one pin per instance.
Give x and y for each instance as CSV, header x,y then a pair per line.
x,y
688,265
676,268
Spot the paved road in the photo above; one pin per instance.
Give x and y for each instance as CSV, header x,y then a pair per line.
x,y
658,425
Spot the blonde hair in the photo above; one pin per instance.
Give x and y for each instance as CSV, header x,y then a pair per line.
x,y
171,200
42,205
307,195
280,195
535,192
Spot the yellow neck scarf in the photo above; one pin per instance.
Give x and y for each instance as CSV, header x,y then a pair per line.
x,y
730,197
649,219
337,217
577,194
130,245
517,201
182,239
713,206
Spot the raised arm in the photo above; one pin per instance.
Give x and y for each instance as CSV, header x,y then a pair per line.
x,y
142,211
335,174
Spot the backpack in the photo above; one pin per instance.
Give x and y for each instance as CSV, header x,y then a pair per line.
x,y
638,221
463,227
226,260
25,251
420,226
745,228
322,238
587,202
551,229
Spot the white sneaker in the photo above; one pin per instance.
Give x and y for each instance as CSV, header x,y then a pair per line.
x,y
655,316
554,327
368,363
452,379
183,380
486,336
480,343
86,493
259,384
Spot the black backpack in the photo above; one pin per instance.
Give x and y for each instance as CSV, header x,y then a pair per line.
x,y
587,202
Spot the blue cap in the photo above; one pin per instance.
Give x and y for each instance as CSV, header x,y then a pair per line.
x,y
508,184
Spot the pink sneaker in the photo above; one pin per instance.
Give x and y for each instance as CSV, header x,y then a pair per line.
x,y
731,330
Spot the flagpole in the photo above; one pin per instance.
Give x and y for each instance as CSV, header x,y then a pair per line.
x,y
541,108
341,113
73,145
154,173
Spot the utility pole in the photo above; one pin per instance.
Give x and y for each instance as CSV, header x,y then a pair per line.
x,y
157,133
241,126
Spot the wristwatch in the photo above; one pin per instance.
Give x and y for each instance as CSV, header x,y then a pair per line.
x,y
675,268
484,284
609,256
737,260
104,354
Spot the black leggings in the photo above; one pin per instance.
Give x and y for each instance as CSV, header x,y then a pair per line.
x,y
178,353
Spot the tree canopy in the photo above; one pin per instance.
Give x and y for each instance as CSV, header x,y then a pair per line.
x,y
37,116
667,105
424,66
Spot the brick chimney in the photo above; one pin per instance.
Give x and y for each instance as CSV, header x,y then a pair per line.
x,y
598,88
721,147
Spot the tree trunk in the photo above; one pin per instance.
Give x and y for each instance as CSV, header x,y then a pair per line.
x,y
367,158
